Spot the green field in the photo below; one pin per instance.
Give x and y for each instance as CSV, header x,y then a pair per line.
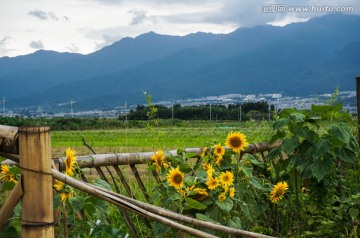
x,y
166,138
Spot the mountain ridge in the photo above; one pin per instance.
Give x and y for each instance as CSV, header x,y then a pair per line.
x,y
300,58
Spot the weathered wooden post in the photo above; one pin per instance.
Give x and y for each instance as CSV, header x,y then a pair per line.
x,y
37,202
358,104
9,139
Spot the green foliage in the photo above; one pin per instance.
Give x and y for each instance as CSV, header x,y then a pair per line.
x,y
319,143
318,160
235,204
318,150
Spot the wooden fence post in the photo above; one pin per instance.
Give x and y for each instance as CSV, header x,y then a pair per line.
x,y
35,163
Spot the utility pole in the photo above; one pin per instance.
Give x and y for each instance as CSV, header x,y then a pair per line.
x,y
71,108
210,112
269,112
172,111
125,112
240,113
3,102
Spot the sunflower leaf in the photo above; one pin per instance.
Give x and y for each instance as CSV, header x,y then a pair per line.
x,y
8,186
345,154
193,204
205,218
289,144
225,205
77,203
320,168
102,184
190,155
255,161
256,183
185,168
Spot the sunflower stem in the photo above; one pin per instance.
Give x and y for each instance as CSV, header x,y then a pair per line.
x,y
277,221
66,232
297,201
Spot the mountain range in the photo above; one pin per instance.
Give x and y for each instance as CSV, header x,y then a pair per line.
x,y
298,59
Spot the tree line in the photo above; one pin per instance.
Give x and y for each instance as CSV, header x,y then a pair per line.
x,y
213,112
137,118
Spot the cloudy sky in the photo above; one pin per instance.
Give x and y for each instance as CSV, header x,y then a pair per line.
x,y
84,26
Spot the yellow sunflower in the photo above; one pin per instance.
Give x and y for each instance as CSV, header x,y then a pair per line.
x,y
205,166
201,194
212,183
5,174
203,152
278,192
236,141
58,185
65,196
232,192
226,178
219,150
158,159
210,171
222,197
175,178
70,162
218,160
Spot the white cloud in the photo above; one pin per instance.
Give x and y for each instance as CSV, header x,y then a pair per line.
x,y
87,25
138,17
36,44
4,41
42,15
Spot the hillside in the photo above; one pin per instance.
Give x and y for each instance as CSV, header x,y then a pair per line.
x,y
312,57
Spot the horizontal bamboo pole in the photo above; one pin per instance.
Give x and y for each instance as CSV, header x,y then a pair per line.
x,y
126,205
10,203
97,160
181,218
9,142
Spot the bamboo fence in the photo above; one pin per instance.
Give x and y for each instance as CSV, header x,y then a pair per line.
x,y
29,148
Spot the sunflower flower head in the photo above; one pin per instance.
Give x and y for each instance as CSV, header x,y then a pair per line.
x,y
278,192
203,152
212,183
218,160
175,178
222,197
210,171
200,195
205,166
65,196
58,185
226,178
232,192
6,176
158,159
236,141
70,162
219,150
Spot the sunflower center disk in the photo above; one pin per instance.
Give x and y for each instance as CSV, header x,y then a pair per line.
x,y
177,179
279,192
235,142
